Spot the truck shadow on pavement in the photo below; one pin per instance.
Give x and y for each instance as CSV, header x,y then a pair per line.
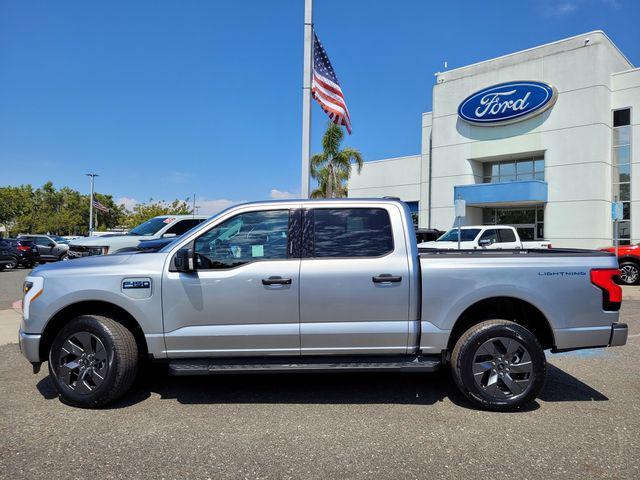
x,y
324,388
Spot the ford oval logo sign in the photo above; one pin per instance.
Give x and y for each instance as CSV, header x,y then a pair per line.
x,y
507,103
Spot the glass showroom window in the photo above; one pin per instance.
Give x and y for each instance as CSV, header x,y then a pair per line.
x,y
621,170
511,170
529,222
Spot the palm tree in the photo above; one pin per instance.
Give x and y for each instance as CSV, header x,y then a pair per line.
x,y
332,167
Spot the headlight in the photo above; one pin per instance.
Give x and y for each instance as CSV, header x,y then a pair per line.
x,y
32,288
98,250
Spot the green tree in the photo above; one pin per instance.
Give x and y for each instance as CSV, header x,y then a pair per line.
x,y
332,167
144,211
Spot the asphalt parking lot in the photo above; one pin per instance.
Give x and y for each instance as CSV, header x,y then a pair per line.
x,y
586,423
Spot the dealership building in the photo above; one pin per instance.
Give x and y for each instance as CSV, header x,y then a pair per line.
x,y
544,139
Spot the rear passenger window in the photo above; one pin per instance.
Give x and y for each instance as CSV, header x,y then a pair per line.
x,y
351,232
506,235
183,226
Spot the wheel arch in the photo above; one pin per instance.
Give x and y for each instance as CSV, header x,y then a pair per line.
x,y
93,307
514,309
629,258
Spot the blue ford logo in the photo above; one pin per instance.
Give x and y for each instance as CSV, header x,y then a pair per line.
x,y
507,102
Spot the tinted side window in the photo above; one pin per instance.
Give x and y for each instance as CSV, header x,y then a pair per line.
x,y
245,238
43,241
183,226
490,234
351,232
506,235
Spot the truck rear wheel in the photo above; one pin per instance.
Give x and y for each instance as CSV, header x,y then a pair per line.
x,y
499,365
93,360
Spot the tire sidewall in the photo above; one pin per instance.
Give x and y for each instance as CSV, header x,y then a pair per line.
x,y
85,323
632,264
468,352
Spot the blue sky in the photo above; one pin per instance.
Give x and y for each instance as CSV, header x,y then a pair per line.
x,y
169,98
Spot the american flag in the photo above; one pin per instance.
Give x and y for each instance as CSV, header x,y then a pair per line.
x,y
98,206
325,87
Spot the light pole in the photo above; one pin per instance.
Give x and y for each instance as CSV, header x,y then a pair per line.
x,y
92,176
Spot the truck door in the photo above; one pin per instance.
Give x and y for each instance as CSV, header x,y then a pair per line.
x,y
354,282
243,299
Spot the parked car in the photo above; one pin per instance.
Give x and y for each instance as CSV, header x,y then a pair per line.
x,y
25,252
318,285
49,249
483,237
427,234
7,258
629,263
164,226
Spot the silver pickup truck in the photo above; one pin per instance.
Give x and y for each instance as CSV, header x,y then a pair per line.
x,y
326,285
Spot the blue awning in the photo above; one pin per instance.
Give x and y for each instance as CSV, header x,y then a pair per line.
x,y
521,192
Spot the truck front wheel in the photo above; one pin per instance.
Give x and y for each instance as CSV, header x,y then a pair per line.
x,y
499,365
93,360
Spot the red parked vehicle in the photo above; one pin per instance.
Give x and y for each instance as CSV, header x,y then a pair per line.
x,y
629,261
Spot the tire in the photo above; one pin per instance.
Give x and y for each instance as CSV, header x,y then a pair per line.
x,y
509,362
629,273
63,257
13,265
107,373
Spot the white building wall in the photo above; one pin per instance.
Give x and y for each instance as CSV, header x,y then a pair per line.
x,y
626,93
574,136
397,177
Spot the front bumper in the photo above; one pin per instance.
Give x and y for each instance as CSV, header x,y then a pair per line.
x,y
30,346
619,334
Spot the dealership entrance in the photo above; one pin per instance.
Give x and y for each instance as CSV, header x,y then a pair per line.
x,y
529,221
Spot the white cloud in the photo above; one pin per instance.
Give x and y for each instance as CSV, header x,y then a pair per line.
x,y
279,194
128,202
563,8
209,207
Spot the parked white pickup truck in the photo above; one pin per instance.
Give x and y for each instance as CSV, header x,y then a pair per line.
x,y
163,226
481,237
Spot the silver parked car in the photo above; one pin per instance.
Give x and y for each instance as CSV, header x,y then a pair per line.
x,y
334,285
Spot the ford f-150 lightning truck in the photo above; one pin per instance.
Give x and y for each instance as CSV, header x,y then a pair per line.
x,y
318,285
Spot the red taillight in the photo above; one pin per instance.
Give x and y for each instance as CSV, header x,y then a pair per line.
x,y
24,248
611,292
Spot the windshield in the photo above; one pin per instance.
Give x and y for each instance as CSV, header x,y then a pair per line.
x,y
466,235
151,227
59,239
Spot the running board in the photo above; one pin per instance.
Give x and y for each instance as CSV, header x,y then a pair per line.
x,y
215,366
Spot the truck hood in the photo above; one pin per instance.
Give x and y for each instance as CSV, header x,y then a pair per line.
x,y
124,264
113,242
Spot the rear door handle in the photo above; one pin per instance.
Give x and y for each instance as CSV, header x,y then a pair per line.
x,y
276,281
386,278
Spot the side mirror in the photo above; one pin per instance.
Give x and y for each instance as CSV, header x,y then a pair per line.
x,y
183,260
51,244
485,242
168,235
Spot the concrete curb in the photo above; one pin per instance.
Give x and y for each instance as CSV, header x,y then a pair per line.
x,y
9,326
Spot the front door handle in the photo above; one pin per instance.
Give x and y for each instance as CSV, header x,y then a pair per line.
x,y
276,281
386,278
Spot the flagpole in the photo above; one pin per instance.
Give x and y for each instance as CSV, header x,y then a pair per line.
x,y
306,97
93,176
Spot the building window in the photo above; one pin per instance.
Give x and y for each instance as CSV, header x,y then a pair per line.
x,y
621,170
529,222
511,170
